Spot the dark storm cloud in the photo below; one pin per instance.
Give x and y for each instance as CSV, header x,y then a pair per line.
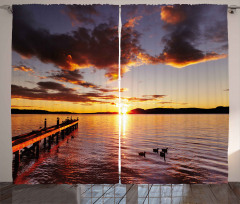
x,y
75,77
49,85
183,26
98,48
184,23
80,49
81,13
61,93
130,46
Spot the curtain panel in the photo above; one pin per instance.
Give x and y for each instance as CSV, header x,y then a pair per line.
x,y
132,94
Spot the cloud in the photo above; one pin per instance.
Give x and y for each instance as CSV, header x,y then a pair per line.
x,y
76,78
154,96
79,49
132,22
145,98
98,48
19,106
49,85
183,54
22,68
130,48
172,14
27,69
73,77
81,13
183,25
165,102
61,93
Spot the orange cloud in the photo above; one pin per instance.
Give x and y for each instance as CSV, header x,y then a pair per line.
x,y
145,98
180,64
175,60
23,68
132,22
172,15
71,65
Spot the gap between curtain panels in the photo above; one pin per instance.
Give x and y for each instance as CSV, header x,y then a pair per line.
x,y
119,94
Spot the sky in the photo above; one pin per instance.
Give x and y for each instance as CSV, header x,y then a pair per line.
x,y
65,57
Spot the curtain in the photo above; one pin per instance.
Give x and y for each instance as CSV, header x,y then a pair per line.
x,y
109,94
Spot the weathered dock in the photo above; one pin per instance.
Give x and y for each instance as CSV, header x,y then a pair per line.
x,y
34,138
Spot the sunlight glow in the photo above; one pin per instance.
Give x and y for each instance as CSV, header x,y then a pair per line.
x,y
124,110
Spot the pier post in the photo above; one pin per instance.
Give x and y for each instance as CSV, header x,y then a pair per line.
x,y
17,159
32,149
57,134
16,163
37,146
44,143
57,121
49,142
45,123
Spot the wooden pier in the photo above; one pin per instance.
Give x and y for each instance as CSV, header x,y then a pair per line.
x,y
31,141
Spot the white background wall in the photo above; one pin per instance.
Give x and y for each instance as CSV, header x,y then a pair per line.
x,y
5,77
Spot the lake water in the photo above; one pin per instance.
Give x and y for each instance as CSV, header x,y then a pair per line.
x,y
197,149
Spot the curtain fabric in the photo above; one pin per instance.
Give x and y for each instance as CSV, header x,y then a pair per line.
x,y
136,94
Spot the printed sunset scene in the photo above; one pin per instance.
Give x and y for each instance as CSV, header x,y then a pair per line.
x,y
163,119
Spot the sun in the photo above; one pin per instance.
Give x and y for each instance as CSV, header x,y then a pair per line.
x,y
124,110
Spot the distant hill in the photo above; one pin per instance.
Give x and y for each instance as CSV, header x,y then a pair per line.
x,y
219,109
25,111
